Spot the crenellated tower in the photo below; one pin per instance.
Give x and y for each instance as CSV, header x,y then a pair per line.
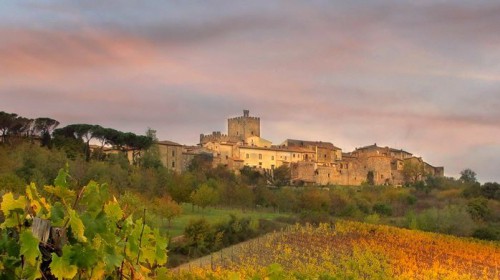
x,y
244,126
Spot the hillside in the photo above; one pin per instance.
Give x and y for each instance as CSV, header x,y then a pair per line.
x,y
354,250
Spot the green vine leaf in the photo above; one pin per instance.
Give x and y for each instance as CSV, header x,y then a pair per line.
x,y
57,214
113,210
29,247
62,267
61,179
76,225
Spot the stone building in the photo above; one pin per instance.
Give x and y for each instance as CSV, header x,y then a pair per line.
x,y
171,155
310,162
241,128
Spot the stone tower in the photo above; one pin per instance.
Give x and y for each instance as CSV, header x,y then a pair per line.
x,y
243,127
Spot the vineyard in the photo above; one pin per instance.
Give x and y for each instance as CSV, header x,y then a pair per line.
x,y
351,250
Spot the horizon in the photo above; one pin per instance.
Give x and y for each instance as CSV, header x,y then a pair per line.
x,y
423,77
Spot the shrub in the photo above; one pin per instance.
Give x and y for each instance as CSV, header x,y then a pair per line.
x,y
383,209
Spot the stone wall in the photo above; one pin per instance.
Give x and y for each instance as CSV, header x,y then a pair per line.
x,y
243,127
171,156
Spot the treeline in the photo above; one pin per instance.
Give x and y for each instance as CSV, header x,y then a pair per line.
x,y
74,139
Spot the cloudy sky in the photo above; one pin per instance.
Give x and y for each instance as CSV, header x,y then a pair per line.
x,y
422,75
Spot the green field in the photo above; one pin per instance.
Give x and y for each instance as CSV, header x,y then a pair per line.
x,y
213,216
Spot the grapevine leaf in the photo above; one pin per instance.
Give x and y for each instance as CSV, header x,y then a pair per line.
x,y
113,210
31,273
161,273
94,225
112,258
60,180
62,267
76,225
62,192
92,198
98,271
84,257
37,204
29,247
9,203
161,248
57,214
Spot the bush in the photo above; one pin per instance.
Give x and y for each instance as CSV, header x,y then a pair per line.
x,y
450,220
383,209
487,233
478,209
372,219
315,217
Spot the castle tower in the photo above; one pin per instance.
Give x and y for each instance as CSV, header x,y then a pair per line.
x,y
244,126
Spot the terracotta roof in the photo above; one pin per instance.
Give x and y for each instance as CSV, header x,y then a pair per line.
x,y
312,143
169,143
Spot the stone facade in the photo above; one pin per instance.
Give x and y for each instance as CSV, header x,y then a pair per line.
x,y
241,128
171,155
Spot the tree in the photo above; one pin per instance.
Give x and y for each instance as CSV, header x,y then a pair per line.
x,y
282,176
204,196
167,208
468,176
6,123
151,157
491,190
44,127
412,172
12,124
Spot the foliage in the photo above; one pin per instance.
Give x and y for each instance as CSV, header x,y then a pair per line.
x,y
383,209
352,250
412,172
101,240
478,209
204,196
468,176
491,190
281,175
167,208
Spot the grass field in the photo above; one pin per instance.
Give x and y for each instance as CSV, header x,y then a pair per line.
x,y
213,216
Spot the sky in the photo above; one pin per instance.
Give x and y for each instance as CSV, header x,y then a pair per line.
x,y
423,76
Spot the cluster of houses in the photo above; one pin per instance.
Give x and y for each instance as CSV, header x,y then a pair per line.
x,y
310,162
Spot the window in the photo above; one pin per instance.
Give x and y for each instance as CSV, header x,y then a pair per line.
x,y
227,157
285,157
173,164
248,156
173,153
293,155
328,175
272,157
260,164
325,156
272,166
260,156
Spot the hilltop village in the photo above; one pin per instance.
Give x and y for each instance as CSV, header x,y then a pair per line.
x,y
310,162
